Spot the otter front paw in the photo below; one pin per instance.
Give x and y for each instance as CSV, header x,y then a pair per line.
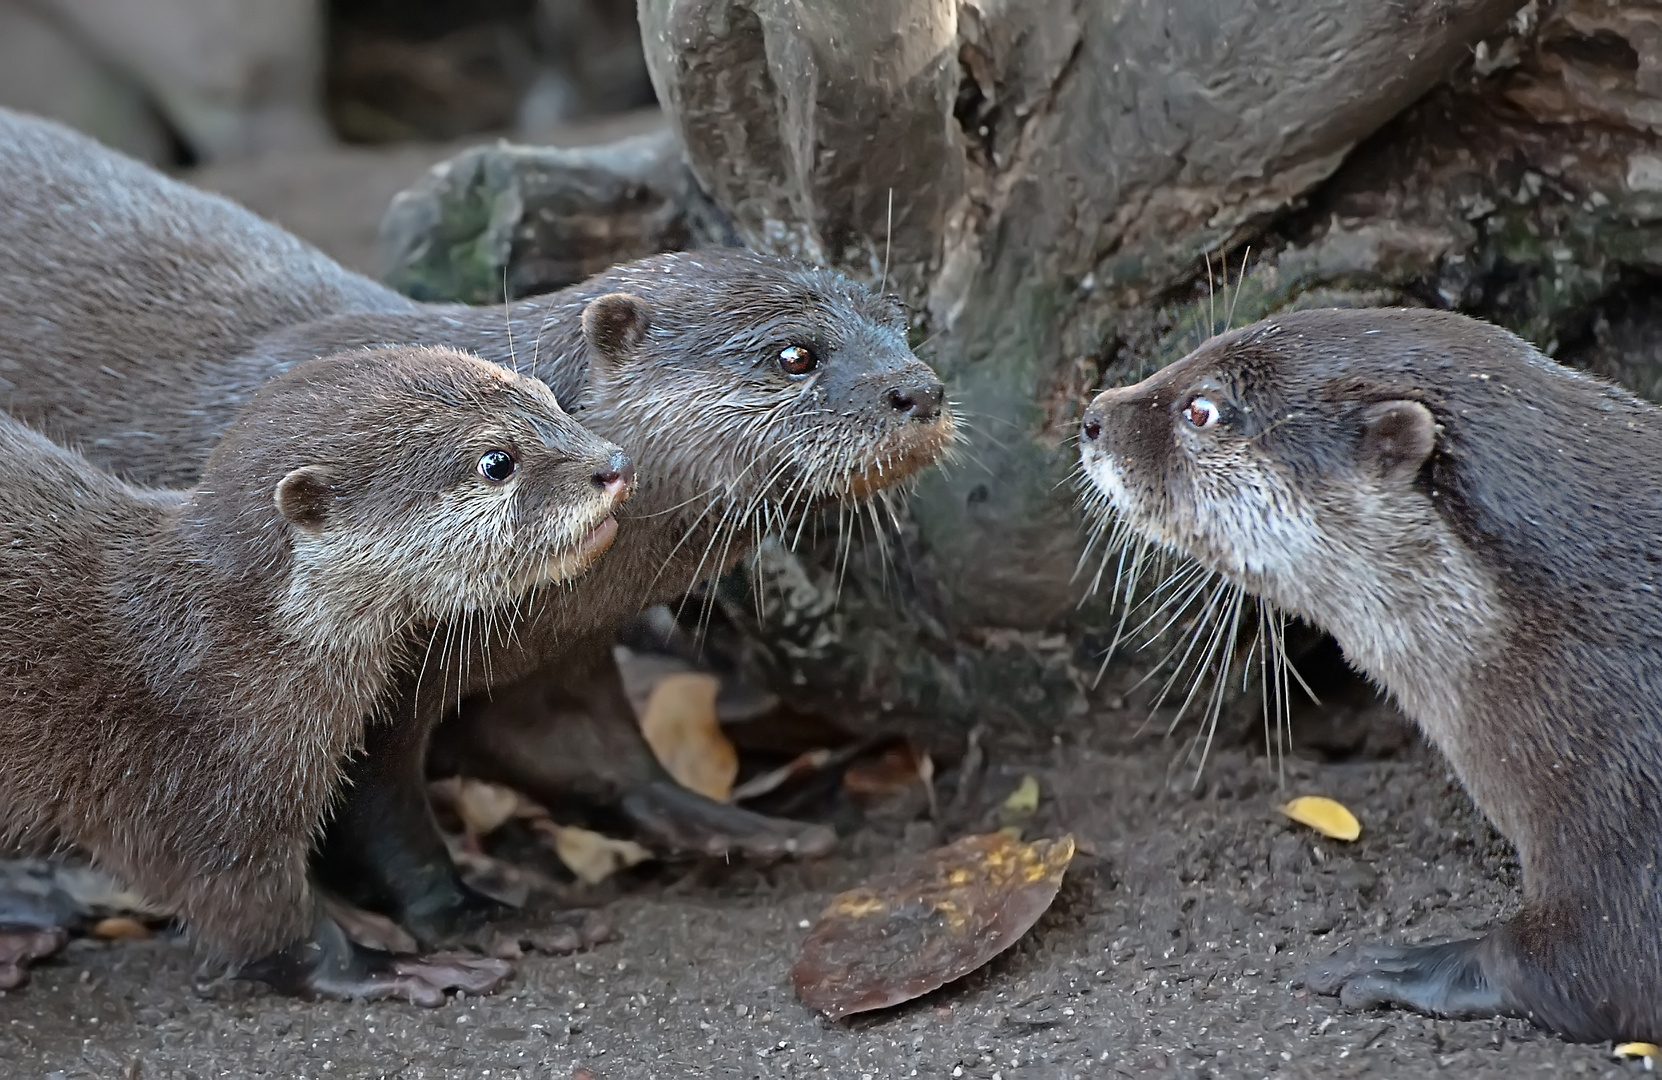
x,y
672,818
424,980
331,965
21,946
1442,980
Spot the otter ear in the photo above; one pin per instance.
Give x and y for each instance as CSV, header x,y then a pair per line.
x,y
615,324
304,495
1397,437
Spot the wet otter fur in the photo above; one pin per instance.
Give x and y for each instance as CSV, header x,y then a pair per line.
x,y
1478,528
183,673
136,313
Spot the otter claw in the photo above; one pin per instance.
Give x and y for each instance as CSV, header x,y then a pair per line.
x,y
683,822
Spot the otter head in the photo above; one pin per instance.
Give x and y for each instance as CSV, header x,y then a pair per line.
x,y
1295,456
413,483
768,386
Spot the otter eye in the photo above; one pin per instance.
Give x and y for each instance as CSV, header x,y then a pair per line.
x,y
797,360
497,465
1201,412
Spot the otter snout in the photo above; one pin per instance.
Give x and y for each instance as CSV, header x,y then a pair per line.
x,y
1090,428
920,401
616,478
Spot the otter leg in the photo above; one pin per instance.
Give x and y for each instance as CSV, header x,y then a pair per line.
x,y
383,850
330,965
1588,987
584,745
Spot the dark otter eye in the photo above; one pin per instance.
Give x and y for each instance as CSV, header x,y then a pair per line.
x,y
1201,412
497,465
797,360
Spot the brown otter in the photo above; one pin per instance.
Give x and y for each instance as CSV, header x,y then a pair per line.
x,y
1478,528
135,313
185,672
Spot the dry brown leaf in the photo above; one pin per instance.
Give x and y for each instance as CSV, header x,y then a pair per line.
x,y
919,928
681,726
874,779
1327,817
592,857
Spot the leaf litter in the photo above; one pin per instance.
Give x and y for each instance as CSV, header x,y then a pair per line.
x,y
918,928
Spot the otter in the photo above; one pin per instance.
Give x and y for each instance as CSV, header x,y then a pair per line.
x,y
183,673
137,313
1477,526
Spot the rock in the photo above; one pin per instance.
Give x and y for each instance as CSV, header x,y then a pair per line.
x,y
533,219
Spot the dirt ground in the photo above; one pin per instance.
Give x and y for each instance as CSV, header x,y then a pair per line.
x,y
1174,947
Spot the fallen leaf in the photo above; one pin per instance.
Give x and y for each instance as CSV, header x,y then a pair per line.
x,y
368,927
874,779
498,879
681,726
1327,817
120,928
592,857
484,807
1025,799
917,929
802,765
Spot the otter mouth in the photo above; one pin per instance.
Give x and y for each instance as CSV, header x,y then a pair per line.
x,y
908,452
597,540
569,562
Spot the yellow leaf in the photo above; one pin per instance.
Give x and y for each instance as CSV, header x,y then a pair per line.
x,y
592,857
1025,799
120,928
1327,817
680,725
1638,1050
484,807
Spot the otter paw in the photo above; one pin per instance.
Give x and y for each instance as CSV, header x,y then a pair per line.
x,y
683,822
1445,980
19,947
424,980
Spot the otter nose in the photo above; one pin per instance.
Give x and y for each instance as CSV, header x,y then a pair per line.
x,y
921,401
1090,429
617,478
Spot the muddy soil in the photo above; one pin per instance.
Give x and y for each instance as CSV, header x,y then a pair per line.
x,y
1174,949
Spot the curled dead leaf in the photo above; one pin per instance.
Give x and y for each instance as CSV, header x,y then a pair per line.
x,y
591,856
680,724
921,927
1326,816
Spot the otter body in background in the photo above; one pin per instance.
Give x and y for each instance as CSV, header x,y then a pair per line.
x,y
183,673
136,313
1479,529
